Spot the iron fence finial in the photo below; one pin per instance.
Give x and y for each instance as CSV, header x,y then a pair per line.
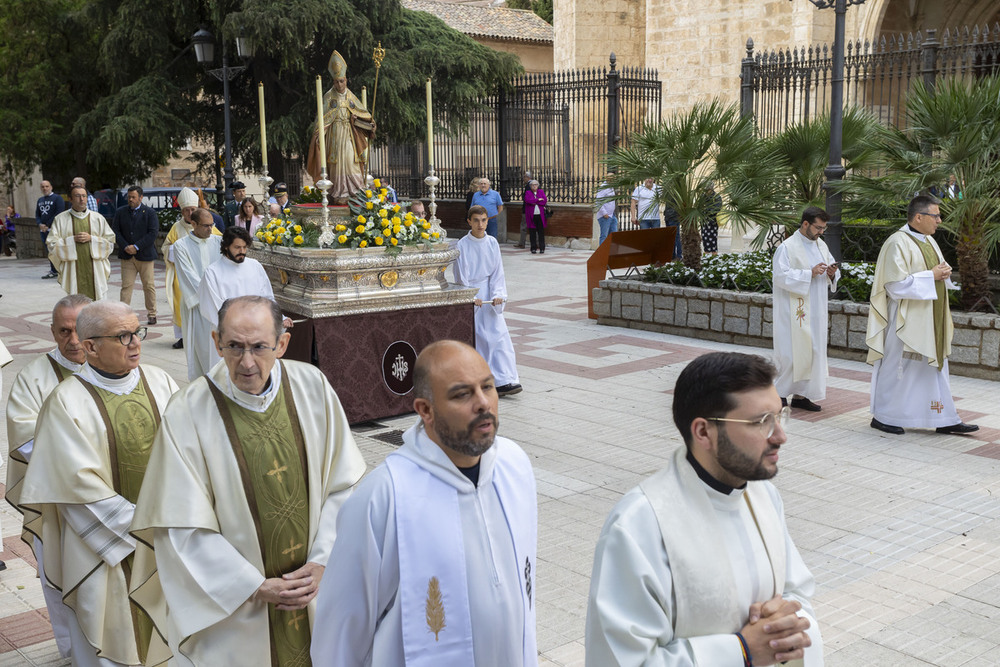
x,y
613,59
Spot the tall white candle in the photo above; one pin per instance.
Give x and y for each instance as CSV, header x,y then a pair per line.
x,y
263,131
319,122
430,126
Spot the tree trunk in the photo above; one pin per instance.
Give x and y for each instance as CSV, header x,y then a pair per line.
x,y
973,264
691,246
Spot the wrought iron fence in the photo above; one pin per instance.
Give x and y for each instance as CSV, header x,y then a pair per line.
x,y
554,125
783,87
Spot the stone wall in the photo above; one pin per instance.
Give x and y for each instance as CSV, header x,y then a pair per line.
x,y
744,318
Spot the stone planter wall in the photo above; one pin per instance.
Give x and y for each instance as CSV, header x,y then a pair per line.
x,y
744,318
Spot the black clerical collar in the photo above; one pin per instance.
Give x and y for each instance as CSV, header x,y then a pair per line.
x,y
472,472
704,476
110,376
910,227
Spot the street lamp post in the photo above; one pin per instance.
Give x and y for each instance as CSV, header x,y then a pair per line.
x,y
835,170
204,50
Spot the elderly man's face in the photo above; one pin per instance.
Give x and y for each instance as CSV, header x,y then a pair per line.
x,y
463,411
78,199
64,333
77,183
108,354
648,183
245,339
484,185
186,213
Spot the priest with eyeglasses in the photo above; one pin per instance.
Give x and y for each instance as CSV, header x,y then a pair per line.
x,y
88,462
254,461
695,566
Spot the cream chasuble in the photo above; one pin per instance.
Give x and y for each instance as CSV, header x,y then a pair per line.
x,y
73,497
192,257
211,557
678,565
65,253
30,389
479,265
800,328
909,335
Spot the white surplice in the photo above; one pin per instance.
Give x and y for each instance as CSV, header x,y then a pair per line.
x,y
192,258
27,394
906,390
228,279
633,604
359,620
70,503
793,278
479,265
207,558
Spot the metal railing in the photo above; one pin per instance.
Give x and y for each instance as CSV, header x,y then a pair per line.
x,y
783,87
554,125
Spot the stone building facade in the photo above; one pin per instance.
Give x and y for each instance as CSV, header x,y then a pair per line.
x,y
697,45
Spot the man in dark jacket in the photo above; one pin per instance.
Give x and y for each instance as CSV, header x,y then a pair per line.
x,y
49,205
135,226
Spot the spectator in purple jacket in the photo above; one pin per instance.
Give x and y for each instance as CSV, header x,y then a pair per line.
x,y
534,214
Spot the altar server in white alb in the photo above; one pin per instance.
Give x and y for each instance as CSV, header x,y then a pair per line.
x,y
479,265
193,255
30,389
254,461
91,447
805,273
434,564
695,566
234,275
910,329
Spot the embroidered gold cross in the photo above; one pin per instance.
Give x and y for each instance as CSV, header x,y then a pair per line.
x,y
292,548
295,620
276,471
937,406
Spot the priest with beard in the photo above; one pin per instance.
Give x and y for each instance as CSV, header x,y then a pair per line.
x,y
434,562
695,565
234,275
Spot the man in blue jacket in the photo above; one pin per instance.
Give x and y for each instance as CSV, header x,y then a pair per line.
x,y
135,226
49,205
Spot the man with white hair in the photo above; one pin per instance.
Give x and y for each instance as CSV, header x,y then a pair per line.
x,y
30,389
91,447
489,199
80,241
187,201
193,254
255,460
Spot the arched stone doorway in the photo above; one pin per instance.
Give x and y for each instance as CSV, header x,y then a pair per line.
x,y
894,17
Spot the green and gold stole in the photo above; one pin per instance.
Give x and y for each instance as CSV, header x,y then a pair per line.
x,y
942,309
131,421
61,371
84,260
271,455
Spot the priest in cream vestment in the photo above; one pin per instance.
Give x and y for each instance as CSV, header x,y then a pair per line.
x,y
434,564
89,457
910,329
804,273
80,241
27,394
193,254
695,566
254,461
187,201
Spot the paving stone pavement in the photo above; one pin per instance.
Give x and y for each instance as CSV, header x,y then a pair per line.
x,y
902,533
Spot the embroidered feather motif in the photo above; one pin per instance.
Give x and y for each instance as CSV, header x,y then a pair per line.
x,y
435,608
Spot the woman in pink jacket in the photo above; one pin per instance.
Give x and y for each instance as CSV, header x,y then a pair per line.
x,y
534,214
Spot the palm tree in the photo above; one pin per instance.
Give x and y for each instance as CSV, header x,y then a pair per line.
x,y
951,129
708,143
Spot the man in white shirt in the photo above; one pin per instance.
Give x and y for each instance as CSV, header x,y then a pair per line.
x,y
434,563
695,566
645,208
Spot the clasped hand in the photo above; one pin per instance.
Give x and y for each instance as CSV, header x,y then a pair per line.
x,y
291,591
942,271
775,633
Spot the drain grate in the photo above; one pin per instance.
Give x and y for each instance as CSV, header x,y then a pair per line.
x,y
394,438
